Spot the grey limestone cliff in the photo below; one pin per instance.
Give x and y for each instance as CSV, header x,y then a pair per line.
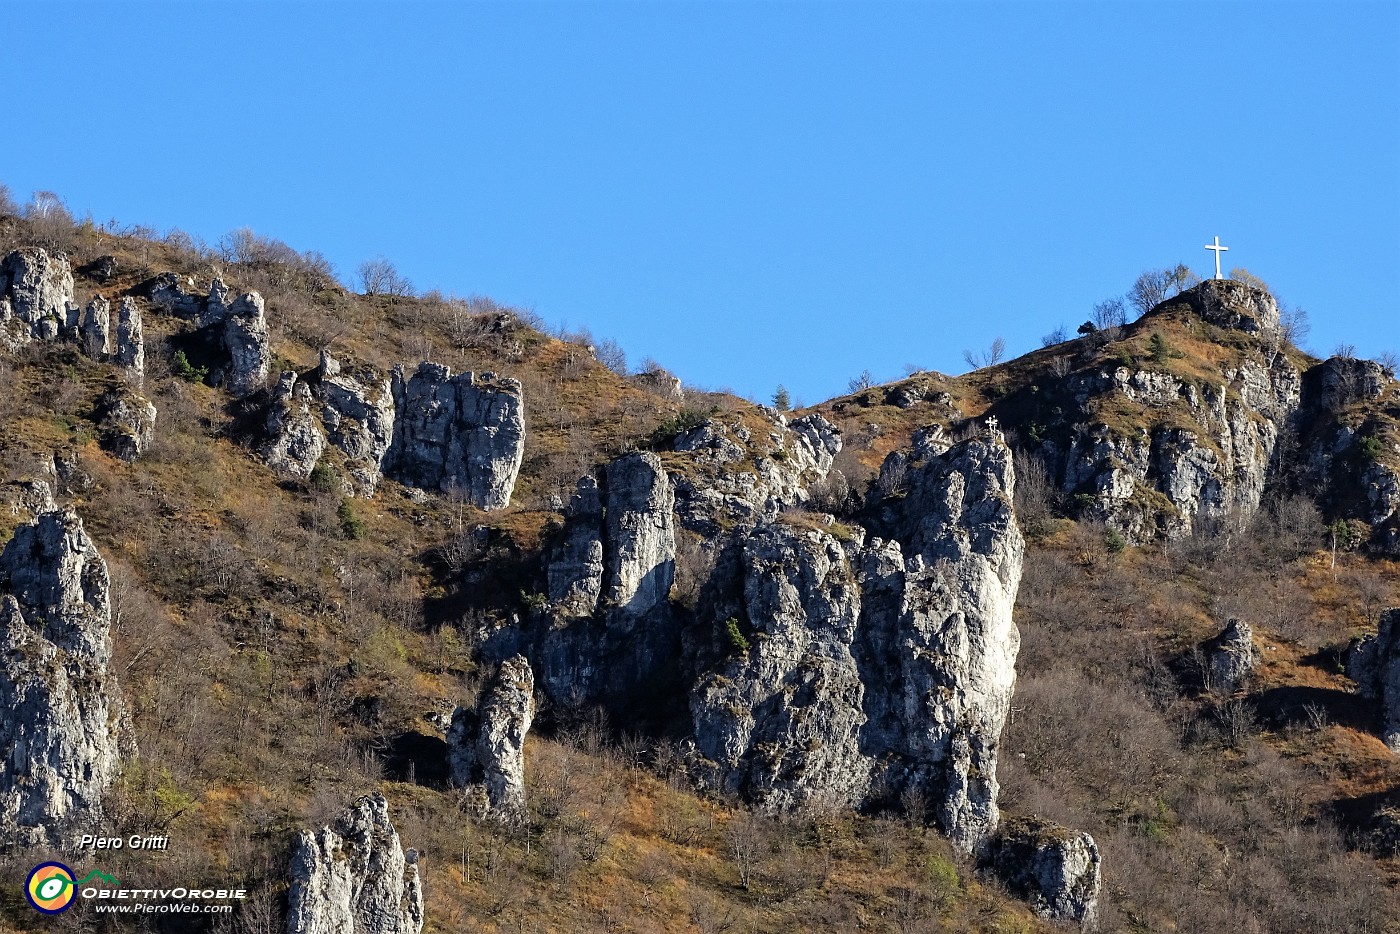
x,y
1157,453
36,296
949,641
354,877
608,627
869,668
60,731
1349,455
464,433
639,556
782,719
486,745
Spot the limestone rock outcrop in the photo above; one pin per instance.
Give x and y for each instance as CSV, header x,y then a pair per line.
x,y
246,340
661,383
639,560
743,476
295,440
1169,480
28,499
94,329
1234,305
486,746
60,740
102,269
131,341
783,719
1374,664
1341,381
1055,869
1348,455
1231,657
357,407
36,296
126,423
167,291
1153,452
575,568
215,308
947,654
611,570
463,433
354,877
875,667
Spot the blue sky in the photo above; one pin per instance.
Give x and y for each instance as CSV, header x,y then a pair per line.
x,y
750,193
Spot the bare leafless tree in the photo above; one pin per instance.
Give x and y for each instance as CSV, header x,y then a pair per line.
x,y
379,277
989,357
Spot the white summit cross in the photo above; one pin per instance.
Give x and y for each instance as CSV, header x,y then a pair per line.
x,y
1218,250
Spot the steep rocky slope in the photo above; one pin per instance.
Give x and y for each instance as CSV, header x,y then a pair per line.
x,y
338,568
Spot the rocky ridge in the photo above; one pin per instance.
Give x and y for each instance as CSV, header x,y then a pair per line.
x,y
795,702
1184,420
1208,456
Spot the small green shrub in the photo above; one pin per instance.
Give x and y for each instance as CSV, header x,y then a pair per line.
x,y
1114,541
351,525
1158,347
180,365
1371,447
941,877
323,478
738,645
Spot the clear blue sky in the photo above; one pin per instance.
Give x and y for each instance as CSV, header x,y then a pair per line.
x,y
751,193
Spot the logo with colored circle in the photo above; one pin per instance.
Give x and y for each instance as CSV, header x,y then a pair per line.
x,y
50,888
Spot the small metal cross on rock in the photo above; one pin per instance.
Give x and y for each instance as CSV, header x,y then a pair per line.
x,y
1218,250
